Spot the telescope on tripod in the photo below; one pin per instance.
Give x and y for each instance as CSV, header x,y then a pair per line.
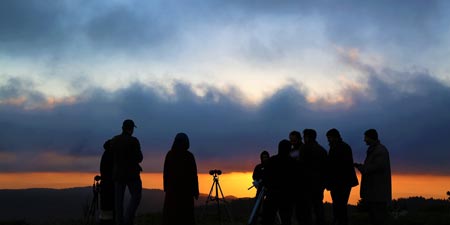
x,y
215,197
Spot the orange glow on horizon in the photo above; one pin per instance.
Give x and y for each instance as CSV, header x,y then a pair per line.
x,y
235,184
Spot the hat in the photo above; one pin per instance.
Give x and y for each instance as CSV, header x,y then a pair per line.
x,y
128,124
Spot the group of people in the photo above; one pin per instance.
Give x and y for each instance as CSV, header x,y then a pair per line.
x,y
294,180
120,169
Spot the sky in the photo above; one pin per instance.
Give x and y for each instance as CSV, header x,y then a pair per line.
x,y
236,76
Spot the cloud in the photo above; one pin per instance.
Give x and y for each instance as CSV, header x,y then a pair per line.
x,y
411,116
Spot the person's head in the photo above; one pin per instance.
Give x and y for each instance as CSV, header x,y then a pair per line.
x,y
371,137
295,137
333,136
128,126
264,156
181,142
284,147
309,135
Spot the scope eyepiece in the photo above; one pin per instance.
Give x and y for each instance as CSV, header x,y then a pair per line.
x,y
215,172
97,178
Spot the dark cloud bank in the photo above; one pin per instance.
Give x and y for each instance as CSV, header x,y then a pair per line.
x,y
412,117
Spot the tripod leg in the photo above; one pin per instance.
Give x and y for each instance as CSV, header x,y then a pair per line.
x,y
256,207
207,201
225,203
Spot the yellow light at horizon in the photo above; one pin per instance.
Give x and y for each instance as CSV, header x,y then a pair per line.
x,y
232,184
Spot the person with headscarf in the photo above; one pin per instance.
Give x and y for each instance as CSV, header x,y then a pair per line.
x,y
180,183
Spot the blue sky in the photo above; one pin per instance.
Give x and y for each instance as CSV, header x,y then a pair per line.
x,y
237,76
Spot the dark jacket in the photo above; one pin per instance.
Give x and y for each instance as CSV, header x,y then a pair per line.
x,y
258,172
127,156
341,173
107,183
278,175
180,183
312,166
376,175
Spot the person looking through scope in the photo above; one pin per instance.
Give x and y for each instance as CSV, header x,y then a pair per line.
x,y
180,183
258,172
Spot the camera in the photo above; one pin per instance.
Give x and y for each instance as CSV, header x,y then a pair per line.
x,y
215,172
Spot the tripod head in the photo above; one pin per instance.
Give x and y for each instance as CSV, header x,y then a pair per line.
x,y
215,173
96,185
448,194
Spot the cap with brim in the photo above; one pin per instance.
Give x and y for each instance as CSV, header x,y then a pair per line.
x,y
128,124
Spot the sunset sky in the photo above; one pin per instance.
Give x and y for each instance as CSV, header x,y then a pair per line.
x,y
236,76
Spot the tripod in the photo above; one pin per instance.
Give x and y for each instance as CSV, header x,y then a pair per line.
x,y
216,188
89,217
257,206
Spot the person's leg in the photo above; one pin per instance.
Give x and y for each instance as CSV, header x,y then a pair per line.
x,y
119,190
285,210
135,189
269,211
340,199
318,206
378,213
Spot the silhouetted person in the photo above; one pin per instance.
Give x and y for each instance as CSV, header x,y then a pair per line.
x,y
312,184
376,178
296,141
126,173
279,182
107,185
341,176
180,183
258,172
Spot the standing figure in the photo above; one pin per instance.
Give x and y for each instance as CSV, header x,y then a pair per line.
x,y
279,183
312,177
126,172
107,185
180,183
376,189
341,176
258,172
296,141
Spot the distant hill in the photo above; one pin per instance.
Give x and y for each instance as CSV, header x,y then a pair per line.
x,y
43,205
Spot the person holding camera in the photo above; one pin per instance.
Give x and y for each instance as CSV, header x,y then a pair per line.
x,y
279,182
258,172
180,183
376,188
341,176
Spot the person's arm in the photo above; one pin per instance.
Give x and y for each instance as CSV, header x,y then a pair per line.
x,y
194,178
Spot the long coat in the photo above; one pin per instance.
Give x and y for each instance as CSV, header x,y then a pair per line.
x,y
180,187
376,175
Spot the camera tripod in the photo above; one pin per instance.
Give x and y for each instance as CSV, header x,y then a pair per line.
x,y
90,215
215,187
258,205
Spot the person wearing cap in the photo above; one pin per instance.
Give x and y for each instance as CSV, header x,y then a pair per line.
x,y
376,189
126,172
341,176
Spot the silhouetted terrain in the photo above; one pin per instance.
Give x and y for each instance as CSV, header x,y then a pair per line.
x,y
46,205
66,206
